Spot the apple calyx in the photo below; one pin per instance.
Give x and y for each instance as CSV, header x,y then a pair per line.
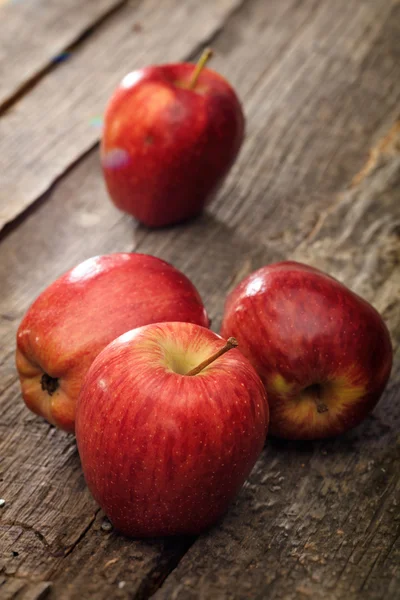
x,y
314,391
231,343
204,58
49,384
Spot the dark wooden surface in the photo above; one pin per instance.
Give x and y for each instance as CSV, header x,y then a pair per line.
x,y
318,180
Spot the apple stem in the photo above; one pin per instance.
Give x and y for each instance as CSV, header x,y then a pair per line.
x,y
204,58
231,343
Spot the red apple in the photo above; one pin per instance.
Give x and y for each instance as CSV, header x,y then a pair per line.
x,y
171,134
165,446
84,310
323,353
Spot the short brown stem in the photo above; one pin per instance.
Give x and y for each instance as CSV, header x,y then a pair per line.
x,y
204,58
231,343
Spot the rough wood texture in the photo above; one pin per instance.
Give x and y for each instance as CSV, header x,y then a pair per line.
x,y
318,180
56,25
77,90
319,88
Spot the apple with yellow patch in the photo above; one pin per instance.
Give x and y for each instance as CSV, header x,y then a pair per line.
x,y
323,353
170,421
171,134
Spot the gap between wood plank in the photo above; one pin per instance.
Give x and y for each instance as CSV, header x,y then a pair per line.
x,y
35,79
155,579
82,535
43,198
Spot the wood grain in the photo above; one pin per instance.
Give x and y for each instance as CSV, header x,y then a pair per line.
x,y
44,133
318,520
12,589
56,26
320,88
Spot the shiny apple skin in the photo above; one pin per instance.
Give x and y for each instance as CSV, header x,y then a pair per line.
x,y
164,453
300,327
85,309
166,149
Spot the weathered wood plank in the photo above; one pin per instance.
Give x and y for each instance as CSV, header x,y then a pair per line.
x,y
51,127
108,565
18,589
320,87
56,25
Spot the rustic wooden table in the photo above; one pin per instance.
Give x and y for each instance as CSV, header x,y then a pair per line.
x,y
318,180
